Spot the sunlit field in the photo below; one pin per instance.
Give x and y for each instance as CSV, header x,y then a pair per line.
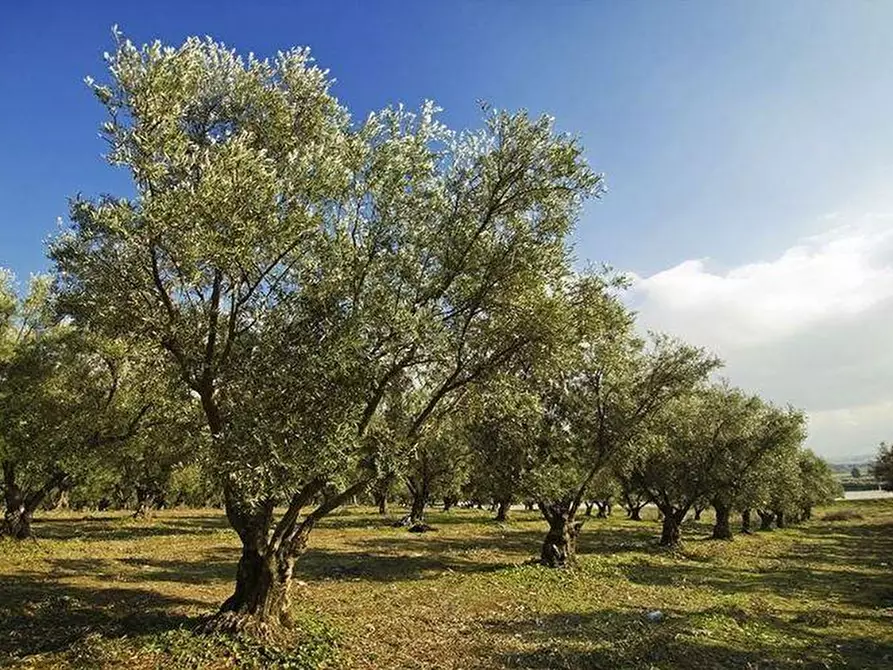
x,y
107,591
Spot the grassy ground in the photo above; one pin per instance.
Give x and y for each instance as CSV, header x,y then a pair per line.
x,y
106,591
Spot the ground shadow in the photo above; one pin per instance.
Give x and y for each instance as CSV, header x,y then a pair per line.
x,y
39,615
843,563
614,639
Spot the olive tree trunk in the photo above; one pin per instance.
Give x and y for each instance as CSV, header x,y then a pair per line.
x,y
634,512
745,521
559,548
671,531
780,519
21,504
722,529
261,598
766,519
502,510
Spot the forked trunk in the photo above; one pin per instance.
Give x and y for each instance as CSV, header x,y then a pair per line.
x,y
766,519
780,519
62,500
559,548
635,512
698,511
604,509
144,503
17,522
745,521
502,510
672,524
589,507
722,529
262,589
20,505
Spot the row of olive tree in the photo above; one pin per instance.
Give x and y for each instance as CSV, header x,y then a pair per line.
x,y
340,305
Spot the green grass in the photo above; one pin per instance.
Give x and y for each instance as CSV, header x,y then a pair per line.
x,y
105,591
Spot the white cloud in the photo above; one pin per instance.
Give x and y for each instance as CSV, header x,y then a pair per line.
x,y
811,327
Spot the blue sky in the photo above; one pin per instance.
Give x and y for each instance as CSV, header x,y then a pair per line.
x,y
730,132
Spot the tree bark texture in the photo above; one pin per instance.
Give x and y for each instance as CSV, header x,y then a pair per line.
x,y
671,531
559,548
745,521
722,529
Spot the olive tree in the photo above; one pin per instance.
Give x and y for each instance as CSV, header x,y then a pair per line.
x,y
68,401
882,468
604,408
296,266
818,485
747,432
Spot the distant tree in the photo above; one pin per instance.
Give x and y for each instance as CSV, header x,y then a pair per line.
x,y
598,404
883,466
68,401
856,473
500,431
750,432
818,485
705,447
294,266
633,499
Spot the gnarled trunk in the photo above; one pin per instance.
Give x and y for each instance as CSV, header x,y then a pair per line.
x,y
417,510
420,494
671,531
722,529
263,577
766,519
634,512
263,584
17,522
144,502
745,521
21,505
559,548
502,510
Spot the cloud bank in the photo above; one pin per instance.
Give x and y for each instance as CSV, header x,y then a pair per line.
x,y
813,327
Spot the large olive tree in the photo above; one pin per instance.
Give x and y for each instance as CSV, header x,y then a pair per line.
x,y
296,266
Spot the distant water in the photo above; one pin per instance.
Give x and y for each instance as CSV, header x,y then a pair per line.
x,y
866,495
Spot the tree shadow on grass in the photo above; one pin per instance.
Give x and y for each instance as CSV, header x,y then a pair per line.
x,y
219,567
104,529
40,615
844,544
871,590
614,639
